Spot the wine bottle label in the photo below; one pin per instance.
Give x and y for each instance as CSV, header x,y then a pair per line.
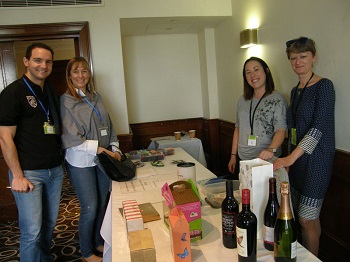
x,y
242,246
293,250
269,235
228,223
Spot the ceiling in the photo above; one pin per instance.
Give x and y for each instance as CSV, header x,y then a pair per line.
x,y
168,25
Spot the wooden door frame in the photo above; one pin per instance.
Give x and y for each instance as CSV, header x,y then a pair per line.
x,y
79,31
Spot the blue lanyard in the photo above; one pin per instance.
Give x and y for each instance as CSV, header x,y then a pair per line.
x,y
95,109
47,113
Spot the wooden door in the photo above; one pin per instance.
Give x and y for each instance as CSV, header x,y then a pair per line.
x,y
8,70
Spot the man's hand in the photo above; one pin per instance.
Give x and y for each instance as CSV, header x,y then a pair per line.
x,y
21,185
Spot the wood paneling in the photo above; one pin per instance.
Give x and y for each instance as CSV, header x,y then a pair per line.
x,y
143,132
79,31
7,64
8,208
335,213
125,142
58,76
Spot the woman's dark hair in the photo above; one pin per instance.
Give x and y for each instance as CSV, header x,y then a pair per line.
x,y
300,45
269,85
37,45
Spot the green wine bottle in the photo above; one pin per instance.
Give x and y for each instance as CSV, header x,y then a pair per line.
x,y
285,239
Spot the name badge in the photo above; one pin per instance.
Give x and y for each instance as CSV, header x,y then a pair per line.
x,y
49,129
103,131
252,140
293,133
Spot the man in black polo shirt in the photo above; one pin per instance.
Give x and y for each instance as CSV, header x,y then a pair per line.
x,y
30,143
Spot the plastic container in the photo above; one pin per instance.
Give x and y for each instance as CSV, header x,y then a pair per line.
x,y
214,190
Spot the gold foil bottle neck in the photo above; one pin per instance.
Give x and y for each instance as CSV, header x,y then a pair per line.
x,y
285,212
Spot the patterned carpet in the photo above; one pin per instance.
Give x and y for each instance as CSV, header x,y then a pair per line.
x,y
65,245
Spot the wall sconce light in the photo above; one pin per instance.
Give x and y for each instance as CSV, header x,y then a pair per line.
x,y
249,37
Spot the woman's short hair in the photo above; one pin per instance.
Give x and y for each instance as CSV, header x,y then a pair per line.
x,y
300,45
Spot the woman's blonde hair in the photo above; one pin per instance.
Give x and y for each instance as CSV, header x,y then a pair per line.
x,y
72,64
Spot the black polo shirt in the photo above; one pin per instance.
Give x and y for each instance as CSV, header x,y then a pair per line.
x,y
19,107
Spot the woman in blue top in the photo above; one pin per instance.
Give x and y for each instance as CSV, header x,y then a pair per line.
x,y
87,131
310,121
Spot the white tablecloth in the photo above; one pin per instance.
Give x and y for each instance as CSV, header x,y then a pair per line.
x,y
147,189
192,146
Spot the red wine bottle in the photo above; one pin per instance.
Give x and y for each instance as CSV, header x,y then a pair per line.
x,y
270,215
247,227
229,212
285,248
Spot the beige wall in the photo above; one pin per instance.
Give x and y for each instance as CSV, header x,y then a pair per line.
x,y
106,38
326,21
162,77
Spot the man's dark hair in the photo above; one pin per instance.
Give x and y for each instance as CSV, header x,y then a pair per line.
x,y
38,45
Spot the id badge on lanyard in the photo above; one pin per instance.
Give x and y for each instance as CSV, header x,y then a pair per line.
x,y
293,134
103,131
252,140
49,129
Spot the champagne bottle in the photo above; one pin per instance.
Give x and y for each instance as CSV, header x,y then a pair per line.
x,y
270,215
229,212
285,244
247,227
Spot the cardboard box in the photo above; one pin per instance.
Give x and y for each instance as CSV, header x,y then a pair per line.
x,y
184,195
254,175
142,246
132,215
148,212
179,236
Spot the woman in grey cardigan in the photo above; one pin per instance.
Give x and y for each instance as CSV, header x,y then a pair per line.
x,y
87,131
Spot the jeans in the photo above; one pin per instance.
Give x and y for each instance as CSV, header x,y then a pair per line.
x,y
37,212
92,188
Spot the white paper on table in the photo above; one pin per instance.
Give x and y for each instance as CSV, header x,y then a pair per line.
x,y
145,171
145,184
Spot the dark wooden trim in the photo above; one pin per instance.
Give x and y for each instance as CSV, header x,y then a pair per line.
x,y
143,132
32,32
226,133
125,142
335,213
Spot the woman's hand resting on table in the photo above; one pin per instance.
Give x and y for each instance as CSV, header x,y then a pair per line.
x,y
266,155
